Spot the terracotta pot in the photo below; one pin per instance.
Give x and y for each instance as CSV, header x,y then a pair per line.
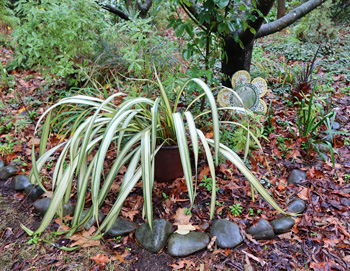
x,y
168,165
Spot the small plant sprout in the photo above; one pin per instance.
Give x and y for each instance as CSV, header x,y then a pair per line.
x,y
313,234
208,183
165,196
35,239
347,178
236,209
117,239
187,211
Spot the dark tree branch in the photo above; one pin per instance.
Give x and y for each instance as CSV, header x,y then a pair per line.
x,y
115,11
288,19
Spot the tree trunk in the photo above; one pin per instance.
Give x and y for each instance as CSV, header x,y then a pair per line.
x,y
237,58
281,8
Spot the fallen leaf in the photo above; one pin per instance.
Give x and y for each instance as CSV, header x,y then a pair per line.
x,y
204,171
211,243
261,261
182,264
83,239
321,266
100,258
18,196
129,214
304,194
118,257
181,218
184,229
209,134
290,236
331,242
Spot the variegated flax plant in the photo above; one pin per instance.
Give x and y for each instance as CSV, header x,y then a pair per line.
x,y
137,128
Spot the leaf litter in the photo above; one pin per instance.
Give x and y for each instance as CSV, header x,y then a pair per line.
x,y
319,241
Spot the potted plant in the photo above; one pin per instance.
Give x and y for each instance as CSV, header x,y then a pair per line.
x,y
137,128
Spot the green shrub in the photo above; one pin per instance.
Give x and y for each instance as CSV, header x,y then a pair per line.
x,y
7,17
58,35
142,47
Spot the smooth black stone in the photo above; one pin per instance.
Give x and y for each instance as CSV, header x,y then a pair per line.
x,y
296,176
68,209
227,233
323,148
41,206
282,225
156,240
20,182
120,227
183,245
262,230
34,192
92,220
296,206
7,172
2,164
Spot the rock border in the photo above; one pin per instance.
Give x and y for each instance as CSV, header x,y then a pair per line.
x,y
225,233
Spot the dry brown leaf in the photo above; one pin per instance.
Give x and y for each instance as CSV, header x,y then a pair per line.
x,y
83,239
181,218
290,236
185,229
204,171
331,242
182,264
304,194
100,258
211,243
129,214
118,257
251,256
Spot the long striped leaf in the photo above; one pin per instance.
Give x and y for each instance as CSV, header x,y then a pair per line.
x,y
147,176
184,154
212,171
215,116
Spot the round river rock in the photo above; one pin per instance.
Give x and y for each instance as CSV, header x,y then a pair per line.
x,y
282,225
153,241
183,245
20,182
296,176
296,206
262,230
7,172
41,206
34,192
92,220
120,227
227,233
